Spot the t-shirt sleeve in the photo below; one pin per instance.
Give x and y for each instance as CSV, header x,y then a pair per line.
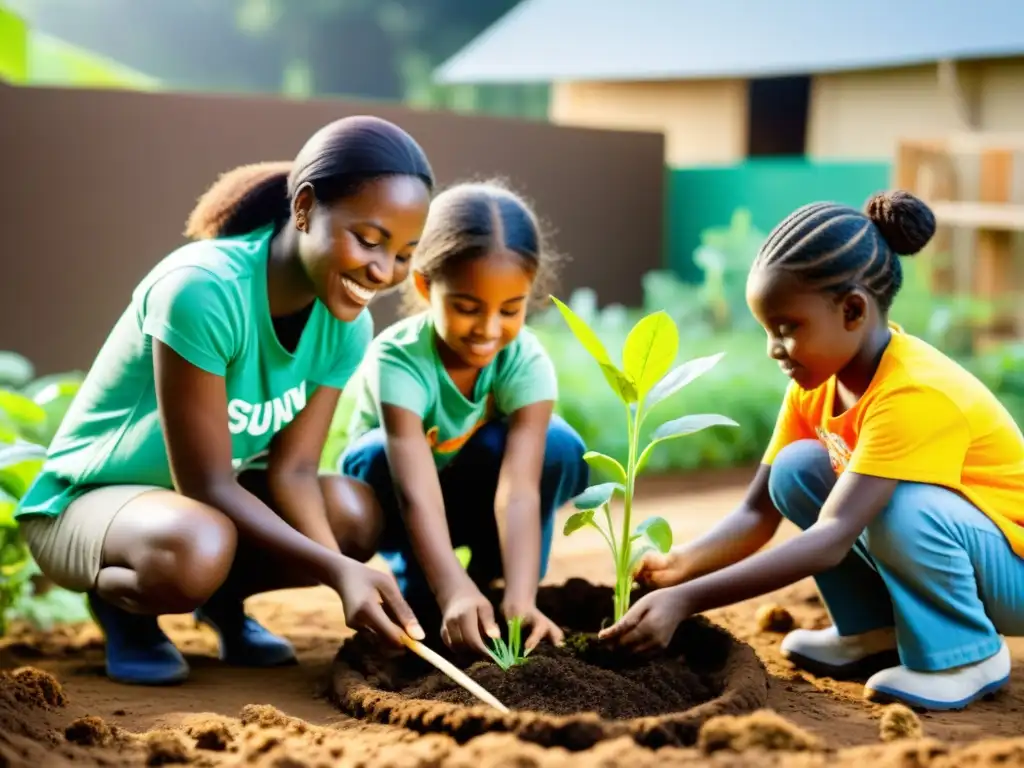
x,y
914,434
398,378
190,310
354,343
527,377
790,425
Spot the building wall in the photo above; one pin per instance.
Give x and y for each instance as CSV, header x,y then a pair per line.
x,y
704,121
103,181
862,115
700,198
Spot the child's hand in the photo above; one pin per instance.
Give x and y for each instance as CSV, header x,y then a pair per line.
x,y
541,626
650,624
658,570
464,614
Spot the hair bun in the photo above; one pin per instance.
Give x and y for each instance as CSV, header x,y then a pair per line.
x,y
906,222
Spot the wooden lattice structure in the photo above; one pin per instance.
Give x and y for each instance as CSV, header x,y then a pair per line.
x,y
969,181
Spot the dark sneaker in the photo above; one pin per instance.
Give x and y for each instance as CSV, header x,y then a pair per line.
x,y
243,642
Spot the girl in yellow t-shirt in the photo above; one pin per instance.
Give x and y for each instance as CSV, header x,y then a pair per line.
x,y
905,474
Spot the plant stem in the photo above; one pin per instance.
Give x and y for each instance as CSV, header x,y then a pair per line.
x,y
625,577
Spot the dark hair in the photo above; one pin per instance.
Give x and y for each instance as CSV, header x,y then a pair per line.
x,y
472,219
336,160
835,247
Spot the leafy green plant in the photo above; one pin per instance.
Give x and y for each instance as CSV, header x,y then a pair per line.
x,y
30,412
510,654
645,379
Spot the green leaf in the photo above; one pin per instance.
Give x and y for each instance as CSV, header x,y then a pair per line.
x,y
618,380
578,520
8,503
650,349
680,376
19,465
464,555
597,495
15,370
606,465
21,411
658,532
685,425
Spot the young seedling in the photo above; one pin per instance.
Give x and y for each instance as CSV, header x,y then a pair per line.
x,y
508,655
645,379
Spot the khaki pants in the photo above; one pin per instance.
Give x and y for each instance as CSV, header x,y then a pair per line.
x,y
69,547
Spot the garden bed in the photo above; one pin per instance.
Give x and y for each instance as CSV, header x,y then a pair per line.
x,y
571,697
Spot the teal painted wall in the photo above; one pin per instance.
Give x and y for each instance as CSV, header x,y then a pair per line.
x,y
698,198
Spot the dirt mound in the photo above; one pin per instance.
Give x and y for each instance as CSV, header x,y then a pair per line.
x,y
27,696
566,698
763,729
558,682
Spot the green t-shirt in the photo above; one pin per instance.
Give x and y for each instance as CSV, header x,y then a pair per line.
x,y
402,368
207,301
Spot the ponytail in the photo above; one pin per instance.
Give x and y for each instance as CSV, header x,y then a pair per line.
x,y
335,161
240,201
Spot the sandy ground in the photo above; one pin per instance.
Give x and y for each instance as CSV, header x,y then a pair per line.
x,y
312,619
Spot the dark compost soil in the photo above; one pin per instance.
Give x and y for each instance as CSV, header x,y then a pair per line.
x,y
560,697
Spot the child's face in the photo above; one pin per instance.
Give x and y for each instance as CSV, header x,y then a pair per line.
x,y
481,307
812,335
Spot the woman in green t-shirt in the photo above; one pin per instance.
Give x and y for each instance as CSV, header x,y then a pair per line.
x,y
185,474
465,373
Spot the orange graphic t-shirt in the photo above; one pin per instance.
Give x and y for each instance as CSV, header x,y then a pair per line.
x,y
923,419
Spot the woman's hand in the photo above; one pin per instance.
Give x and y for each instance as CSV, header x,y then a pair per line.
x,y
464,613
652,621
541,626
366,593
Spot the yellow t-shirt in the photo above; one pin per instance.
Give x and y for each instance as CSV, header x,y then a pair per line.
x,y
923,419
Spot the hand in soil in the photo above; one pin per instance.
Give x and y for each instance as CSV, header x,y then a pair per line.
x,y
464,614
658,570
652,621
365,593
541,626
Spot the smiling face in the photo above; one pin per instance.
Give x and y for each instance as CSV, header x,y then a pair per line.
x,y
361,244
812,334
480,307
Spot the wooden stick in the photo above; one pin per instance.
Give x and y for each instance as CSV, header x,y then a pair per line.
x,y
456,674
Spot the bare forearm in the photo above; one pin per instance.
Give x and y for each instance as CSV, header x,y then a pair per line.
x,y
738,536
813,551
300,501
519,529
432,545
261,526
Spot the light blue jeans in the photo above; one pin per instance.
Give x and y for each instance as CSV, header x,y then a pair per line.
x,y
931,564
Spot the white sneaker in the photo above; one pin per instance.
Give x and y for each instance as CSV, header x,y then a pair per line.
x,y
948,689
823,652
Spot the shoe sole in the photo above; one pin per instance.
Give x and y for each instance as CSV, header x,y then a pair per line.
x,y
160,683
887,695
862,668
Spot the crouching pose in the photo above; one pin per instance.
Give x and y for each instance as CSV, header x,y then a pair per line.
x,y
184,476
453,427
905,474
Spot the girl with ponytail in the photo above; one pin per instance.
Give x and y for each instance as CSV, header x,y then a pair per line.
x,y
185,475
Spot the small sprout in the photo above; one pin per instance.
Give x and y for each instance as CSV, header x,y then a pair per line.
x,y
508,655
576,643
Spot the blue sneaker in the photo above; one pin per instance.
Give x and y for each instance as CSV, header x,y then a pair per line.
x,y
243,642
137,650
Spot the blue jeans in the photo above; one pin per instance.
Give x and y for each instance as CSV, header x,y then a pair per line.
x,y
468,485
931,564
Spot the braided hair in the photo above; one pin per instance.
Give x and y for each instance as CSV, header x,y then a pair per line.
x,y
835,248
